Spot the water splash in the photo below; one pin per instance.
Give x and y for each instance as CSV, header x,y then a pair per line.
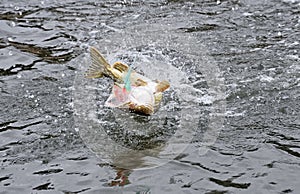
x,y
154,140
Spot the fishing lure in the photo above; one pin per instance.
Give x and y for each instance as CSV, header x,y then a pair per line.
x,y
127,83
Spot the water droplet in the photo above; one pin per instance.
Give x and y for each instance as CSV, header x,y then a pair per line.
x,y
294,57
285,97
13,24
17,8
71,104
63,75
247,14
10,53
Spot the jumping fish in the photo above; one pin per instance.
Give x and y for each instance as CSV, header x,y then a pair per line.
x,y
131,90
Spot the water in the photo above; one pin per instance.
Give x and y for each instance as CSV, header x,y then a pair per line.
x,y
228,124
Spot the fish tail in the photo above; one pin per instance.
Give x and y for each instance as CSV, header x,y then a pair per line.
x,y
99,66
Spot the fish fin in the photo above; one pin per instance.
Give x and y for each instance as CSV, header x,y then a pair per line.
x,y
157,99
142,109
120,66
99,66
140,82
112,102
125,105
162,86
117,98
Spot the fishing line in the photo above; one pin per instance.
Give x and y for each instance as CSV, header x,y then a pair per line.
x,y
126,80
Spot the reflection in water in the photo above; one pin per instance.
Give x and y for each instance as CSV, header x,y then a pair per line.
x,y
121,178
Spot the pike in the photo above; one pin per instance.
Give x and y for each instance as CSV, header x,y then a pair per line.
x,y
131,90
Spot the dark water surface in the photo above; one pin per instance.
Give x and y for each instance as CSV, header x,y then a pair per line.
x,y
229,123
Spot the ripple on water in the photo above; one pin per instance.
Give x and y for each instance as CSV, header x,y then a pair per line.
x,y
255,44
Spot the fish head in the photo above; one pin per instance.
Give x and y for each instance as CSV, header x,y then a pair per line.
x,y
142,100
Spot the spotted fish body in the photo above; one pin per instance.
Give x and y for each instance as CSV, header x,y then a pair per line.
x,y
131,90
